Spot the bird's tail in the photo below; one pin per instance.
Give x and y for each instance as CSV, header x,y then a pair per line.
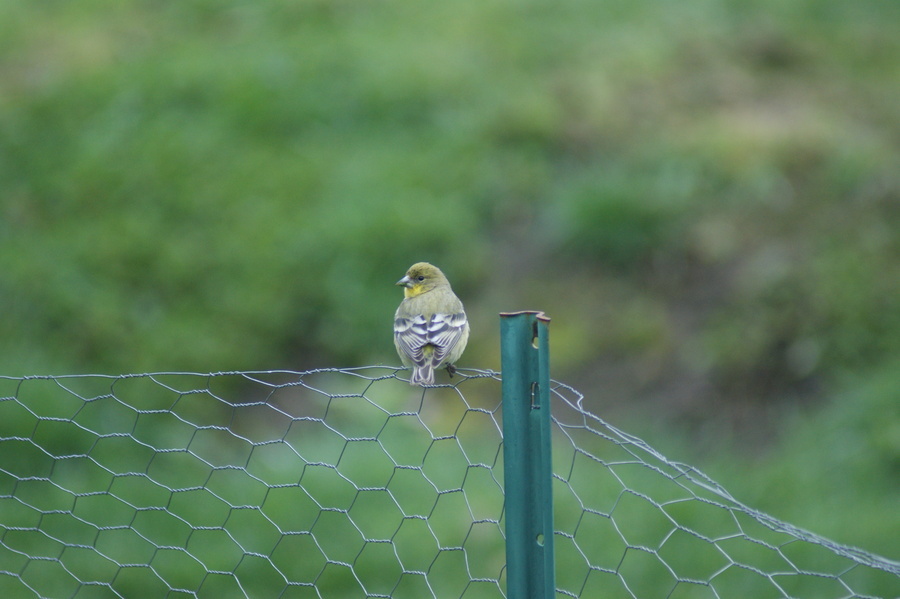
x,y
422,375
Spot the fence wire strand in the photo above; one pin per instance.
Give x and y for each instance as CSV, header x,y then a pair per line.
x,y
350,483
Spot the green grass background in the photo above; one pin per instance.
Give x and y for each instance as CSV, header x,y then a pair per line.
x,y
703,196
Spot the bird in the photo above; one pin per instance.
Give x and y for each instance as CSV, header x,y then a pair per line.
x,y
430,326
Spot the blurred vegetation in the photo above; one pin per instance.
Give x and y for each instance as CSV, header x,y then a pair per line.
x,y
704,197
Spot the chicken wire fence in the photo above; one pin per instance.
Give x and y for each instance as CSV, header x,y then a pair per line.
x,y
350,483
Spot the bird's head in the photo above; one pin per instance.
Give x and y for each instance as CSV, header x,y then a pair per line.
x,y
421,277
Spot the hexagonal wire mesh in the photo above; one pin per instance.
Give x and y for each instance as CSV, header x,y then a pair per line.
x,y
351,483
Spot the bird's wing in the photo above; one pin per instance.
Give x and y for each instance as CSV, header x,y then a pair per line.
x,y
444,332
411,335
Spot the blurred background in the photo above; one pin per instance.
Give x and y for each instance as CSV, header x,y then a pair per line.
x,y
704,196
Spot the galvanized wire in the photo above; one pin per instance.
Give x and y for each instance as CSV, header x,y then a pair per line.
x,y
350,483
631,523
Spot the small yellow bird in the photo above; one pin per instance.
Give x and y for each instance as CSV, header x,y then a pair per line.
x,y
430,326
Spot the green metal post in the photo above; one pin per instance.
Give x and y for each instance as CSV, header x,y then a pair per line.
x,y
525,361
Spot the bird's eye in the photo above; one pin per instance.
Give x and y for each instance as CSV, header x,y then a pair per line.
x,y
420,278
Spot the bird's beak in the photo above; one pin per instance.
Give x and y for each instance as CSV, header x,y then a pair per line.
x,y
404,282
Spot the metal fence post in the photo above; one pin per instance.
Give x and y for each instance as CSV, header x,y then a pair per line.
x,y
524,350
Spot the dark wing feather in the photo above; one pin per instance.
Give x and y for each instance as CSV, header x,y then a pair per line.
x,y
444,332
411,335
